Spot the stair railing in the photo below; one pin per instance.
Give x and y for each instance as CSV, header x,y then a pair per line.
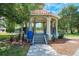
x,y
33,40
45,39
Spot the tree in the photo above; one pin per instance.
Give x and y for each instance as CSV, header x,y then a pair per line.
x,y
6,11
68,15
76,22
17,13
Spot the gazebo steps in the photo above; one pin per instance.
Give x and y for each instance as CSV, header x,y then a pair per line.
x,y
39,39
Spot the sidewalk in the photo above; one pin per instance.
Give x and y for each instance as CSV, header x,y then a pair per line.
x,y
41,50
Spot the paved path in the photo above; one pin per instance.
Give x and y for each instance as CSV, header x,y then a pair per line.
x,y
41,50
76,53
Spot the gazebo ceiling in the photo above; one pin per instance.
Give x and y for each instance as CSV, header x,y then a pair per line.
x,y
39,19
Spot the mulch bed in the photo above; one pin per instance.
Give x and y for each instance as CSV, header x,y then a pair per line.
x,y
65,46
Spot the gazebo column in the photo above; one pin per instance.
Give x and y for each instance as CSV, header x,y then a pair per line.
x,y
56,28
30,24
34,26
49,27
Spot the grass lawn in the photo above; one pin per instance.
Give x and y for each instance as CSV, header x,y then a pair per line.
x,y
72,36
5,35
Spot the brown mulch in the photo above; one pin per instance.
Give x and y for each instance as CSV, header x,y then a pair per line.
x,y
65,46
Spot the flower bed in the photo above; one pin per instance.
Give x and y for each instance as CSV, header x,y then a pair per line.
x,y
7,49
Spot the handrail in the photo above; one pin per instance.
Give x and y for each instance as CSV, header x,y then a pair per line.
x,y
33,40
45,39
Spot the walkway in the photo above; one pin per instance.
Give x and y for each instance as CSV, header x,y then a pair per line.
x,y
40,47
41,50
77,52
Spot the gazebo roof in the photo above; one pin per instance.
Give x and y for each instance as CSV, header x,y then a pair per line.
x,y
40,12
43,13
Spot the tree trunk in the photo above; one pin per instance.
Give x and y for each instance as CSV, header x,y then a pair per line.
x,y
78,30
21,34
71,31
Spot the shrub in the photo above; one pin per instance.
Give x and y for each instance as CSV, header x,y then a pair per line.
x,y
61,34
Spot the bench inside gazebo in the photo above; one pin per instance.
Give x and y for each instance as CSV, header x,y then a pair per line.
x,y
48,25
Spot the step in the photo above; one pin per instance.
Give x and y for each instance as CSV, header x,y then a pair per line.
x,y
39,39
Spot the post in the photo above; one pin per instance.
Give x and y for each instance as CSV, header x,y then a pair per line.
x,y
56,28
34,26
30,24
49,27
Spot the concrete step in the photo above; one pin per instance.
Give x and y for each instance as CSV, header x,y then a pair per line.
x,y
39,39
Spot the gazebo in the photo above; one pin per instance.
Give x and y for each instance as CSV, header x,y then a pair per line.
x,y
49,20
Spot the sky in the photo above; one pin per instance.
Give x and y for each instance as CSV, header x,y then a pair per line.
x,y
56,7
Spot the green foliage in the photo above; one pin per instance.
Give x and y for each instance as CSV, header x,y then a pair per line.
x,y
16,13
13,50
69,16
